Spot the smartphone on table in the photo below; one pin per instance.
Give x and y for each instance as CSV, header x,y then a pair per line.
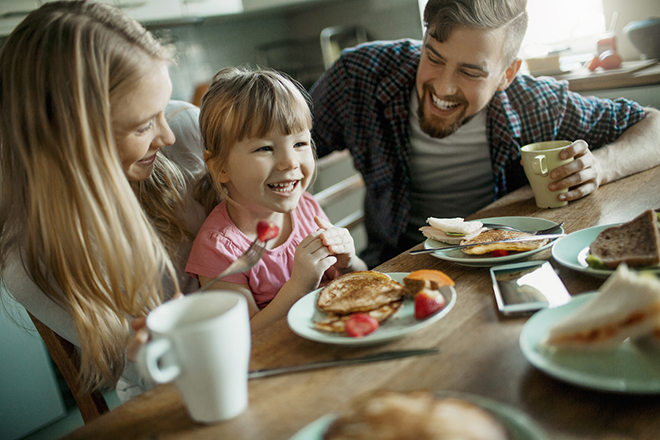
x,y
524,288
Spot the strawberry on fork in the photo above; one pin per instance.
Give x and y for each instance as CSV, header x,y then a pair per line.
x,y
265,231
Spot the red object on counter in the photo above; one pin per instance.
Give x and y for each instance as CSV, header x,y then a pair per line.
x,y
609,60
606,43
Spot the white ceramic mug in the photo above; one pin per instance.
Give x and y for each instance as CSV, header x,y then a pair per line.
x,y
539,160
202,343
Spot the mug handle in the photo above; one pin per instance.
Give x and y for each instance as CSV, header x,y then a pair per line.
x,y
540,165
147,362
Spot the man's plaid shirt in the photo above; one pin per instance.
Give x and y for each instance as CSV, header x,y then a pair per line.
x,y
362,103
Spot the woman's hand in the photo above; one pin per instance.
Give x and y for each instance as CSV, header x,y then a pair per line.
x,y
582,174
339,243
141,336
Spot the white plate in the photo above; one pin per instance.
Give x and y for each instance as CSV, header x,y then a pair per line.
x,y
303,314
571,251
631,368
519,425
525,223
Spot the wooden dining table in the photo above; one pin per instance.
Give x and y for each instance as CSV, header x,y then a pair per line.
x,y
479,354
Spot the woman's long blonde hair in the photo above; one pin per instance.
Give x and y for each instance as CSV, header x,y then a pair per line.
x,y
66,206
244,103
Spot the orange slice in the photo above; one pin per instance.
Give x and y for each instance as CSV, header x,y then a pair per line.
x,y
432,275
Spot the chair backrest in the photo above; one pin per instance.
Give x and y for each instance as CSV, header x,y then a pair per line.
x,y
67,359
341,191
336,38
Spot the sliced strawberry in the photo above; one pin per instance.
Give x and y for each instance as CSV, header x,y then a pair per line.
x,y
361,324
499,253
428,302
266,230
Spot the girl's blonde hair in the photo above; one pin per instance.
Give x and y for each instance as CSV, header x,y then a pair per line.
x,y
243,103
66,206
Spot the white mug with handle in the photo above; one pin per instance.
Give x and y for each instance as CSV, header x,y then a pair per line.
x,y
202,343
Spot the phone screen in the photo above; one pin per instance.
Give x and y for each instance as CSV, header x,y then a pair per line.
x,y
527,287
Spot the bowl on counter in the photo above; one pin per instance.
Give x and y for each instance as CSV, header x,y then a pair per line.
x,y
645,36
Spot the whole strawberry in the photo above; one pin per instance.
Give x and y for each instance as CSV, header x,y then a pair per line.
x,y
266,231
428,302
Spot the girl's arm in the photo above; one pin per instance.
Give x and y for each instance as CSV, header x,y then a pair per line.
x,y
277,308
243,289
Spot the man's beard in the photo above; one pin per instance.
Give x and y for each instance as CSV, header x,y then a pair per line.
x,y
433,129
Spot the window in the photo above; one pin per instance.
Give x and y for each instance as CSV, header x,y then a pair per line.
x,y
570,26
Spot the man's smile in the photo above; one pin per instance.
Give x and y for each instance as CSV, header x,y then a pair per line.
x,y
442,104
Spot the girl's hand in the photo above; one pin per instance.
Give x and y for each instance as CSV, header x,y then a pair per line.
x,y
339,243
141,336
310,262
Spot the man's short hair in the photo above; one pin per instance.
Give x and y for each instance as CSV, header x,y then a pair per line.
x,y
442,16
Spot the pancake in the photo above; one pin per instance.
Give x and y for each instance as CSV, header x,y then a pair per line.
x,y
358,292
415,415
336,323
499,234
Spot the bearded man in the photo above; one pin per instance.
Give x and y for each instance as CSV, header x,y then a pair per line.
x,y
435,126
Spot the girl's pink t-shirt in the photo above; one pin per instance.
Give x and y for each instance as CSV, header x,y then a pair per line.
x,y
219,242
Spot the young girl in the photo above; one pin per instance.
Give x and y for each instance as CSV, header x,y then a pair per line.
x,y
255,126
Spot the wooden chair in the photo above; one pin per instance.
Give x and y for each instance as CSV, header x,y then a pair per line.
x,y
67,359
339,191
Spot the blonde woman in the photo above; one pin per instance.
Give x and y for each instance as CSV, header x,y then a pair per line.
x,y
96,223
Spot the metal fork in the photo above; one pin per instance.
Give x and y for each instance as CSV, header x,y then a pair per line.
x,y
511,228
241,264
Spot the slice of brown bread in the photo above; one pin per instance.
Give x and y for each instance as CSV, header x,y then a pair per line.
x,y
636,243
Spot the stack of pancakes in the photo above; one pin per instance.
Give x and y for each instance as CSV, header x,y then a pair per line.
x,y
368,292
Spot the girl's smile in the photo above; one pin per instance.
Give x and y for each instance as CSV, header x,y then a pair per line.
x,y
284,187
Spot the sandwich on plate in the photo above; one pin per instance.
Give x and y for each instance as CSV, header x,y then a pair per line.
x,y
626,306
458,231
451,230
635,243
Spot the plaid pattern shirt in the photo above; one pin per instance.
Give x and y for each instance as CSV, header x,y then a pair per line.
x,y
362,103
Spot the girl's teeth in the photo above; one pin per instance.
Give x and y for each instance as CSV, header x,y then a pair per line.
x,y
283,187
443,105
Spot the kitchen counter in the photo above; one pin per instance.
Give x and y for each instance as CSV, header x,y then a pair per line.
x,y
630,74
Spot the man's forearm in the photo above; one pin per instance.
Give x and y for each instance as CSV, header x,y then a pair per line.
x,y
637,149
